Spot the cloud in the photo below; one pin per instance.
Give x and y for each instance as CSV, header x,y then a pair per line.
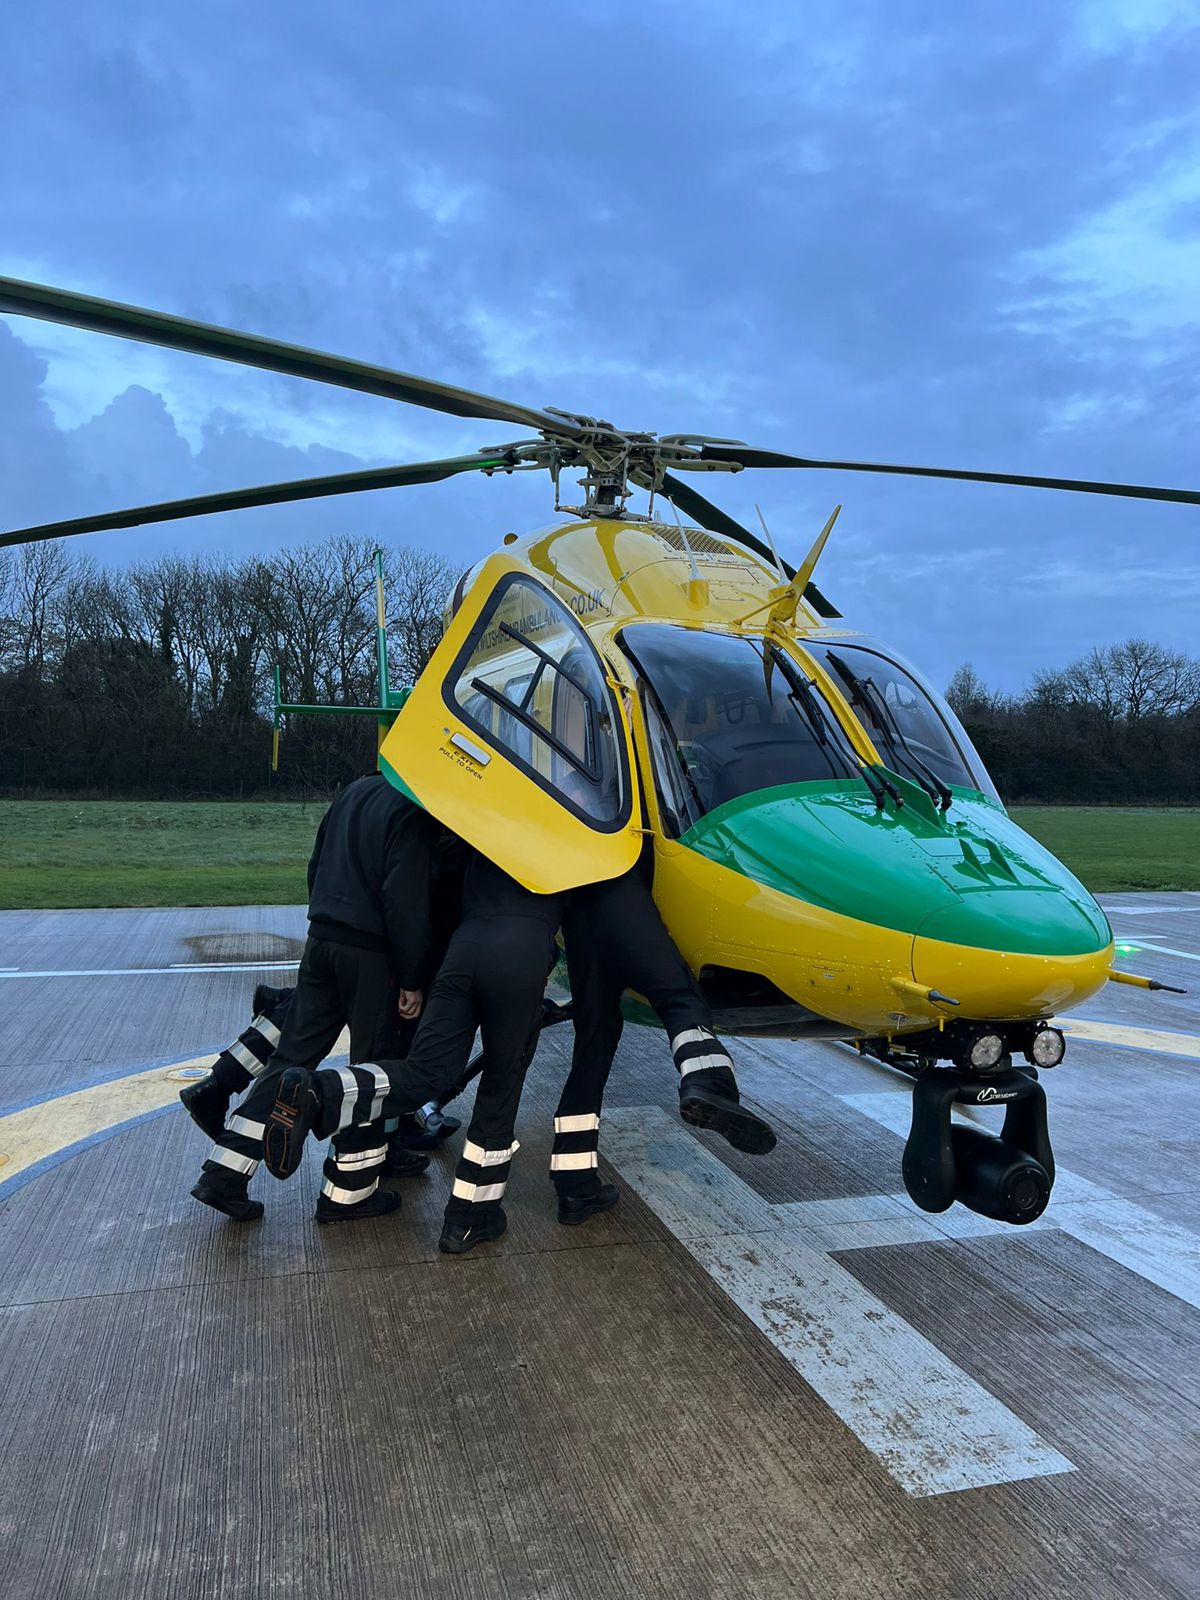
x,y
866,230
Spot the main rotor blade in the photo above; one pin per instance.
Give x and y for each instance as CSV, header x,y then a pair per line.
x,y
202,338
270,494
745,456
717,521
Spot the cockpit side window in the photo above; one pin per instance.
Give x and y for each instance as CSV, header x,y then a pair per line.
x,y
908,722
529,680
727,716
679,803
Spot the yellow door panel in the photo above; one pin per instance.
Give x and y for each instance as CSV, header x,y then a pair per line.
x,y
514,738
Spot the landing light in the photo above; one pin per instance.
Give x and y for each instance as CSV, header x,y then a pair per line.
x,y
1048,1047
986,1051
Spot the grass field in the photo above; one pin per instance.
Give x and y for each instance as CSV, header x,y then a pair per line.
x,y
148,853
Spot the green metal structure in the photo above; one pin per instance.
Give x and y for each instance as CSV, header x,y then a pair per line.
x,y
389,700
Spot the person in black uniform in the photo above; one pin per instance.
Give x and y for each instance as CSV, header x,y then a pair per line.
x,y
492,978
366,962
615,941
207,1100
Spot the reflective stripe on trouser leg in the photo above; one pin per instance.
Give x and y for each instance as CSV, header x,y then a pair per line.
x,y
574,1156
353,1096
243,1060
481,1175
240,1147
351,1176
698,1050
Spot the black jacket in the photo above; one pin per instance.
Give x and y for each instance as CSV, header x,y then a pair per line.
x,y
490,892
373,880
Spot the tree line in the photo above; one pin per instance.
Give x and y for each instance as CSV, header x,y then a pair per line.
x,y
1120,725
156,680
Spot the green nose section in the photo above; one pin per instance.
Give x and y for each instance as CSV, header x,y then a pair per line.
x,y
971,877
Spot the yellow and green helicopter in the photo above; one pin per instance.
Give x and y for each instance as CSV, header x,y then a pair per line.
x,y
828,851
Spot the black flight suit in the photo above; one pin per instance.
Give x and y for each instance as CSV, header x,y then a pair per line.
x,y
492,978
367,939
615,941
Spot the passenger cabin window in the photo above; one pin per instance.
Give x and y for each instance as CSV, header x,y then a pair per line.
x,y
529,681
910,725
727,717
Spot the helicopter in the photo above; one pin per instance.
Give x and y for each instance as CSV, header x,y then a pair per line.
x,y
828,850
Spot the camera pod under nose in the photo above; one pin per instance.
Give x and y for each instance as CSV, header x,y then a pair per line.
x,y
1009,1177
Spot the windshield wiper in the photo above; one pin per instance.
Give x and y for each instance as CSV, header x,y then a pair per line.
x,y
800,693
880,788
938,792
898,748
804,696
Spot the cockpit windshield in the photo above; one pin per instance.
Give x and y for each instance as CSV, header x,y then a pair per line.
x,y
910,725
727,716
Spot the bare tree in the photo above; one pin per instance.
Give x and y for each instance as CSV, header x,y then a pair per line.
x,y
968,694
35,585
418,586
1128,682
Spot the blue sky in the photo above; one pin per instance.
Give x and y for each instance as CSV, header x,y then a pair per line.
x,y
963,236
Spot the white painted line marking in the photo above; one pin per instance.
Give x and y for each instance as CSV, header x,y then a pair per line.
x,y
1159,1251
1162,949
688,1188
1154,911
152,972
934,1428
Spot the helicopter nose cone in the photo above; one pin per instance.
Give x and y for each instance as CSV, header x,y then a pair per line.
x,y
1023,935
984,912
1015,951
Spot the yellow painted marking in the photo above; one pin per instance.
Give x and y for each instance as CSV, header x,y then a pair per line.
x,y
40,1131
31,1135
1171,1044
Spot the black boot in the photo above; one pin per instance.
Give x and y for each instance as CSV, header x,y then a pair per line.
x,y
424,1133
710,1100
228,1192
459,1237
576,1208
380,1204
268,1000
297,1110
402,1162
207,1103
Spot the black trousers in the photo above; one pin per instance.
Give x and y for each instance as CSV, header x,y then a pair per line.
x,y
492,979
615,941
337,986
242,1061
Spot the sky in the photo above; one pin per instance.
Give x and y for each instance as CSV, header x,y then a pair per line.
x,y
962,236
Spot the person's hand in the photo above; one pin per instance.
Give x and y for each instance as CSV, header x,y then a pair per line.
x,y
411,1001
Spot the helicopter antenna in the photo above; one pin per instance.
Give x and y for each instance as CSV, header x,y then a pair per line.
x,y
697,587
783,577
694,572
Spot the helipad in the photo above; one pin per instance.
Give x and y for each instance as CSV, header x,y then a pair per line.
x,y
757,1378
